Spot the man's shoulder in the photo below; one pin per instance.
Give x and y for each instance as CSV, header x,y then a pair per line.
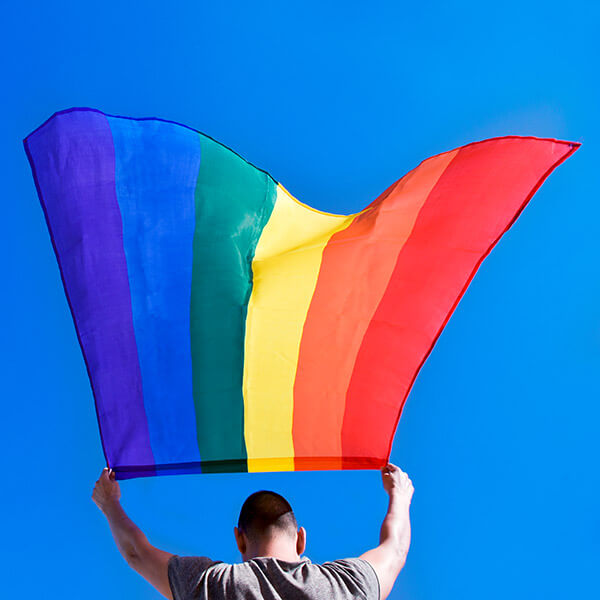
x,y
354,562
184,572
357,574
185,562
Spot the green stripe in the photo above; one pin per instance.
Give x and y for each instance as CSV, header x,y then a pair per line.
x,y
234,201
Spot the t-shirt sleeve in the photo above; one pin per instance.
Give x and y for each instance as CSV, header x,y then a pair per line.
x,y
358,576
184,574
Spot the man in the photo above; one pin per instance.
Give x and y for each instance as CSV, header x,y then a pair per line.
x,y
271,545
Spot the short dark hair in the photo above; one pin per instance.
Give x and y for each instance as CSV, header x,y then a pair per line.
x,y
265,513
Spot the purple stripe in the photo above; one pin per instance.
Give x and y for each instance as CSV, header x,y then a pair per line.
x,y
73,163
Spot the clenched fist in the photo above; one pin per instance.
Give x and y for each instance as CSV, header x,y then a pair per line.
x,y
106,490
397,483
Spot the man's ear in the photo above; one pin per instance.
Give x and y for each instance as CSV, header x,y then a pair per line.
x,y
240,540
301,541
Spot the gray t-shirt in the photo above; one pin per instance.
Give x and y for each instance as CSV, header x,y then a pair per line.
x,y
267,578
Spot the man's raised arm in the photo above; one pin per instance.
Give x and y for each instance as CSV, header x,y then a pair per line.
x,y
389,557
150,562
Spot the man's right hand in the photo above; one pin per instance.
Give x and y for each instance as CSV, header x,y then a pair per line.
x,y
397,483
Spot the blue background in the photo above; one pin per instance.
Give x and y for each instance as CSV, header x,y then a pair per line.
x,y
337,100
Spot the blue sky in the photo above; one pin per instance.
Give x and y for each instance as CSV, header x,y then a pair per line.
x,y
336,100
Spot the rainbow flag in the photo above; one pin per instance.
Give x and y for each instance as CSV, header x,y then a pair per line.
x,y
225,325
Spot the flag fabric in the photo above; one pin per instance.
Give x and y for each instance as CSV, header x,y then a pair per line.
x,y
225,325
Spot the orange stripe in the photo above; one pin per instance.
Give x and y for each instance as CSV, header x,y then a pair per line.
x,y
341,310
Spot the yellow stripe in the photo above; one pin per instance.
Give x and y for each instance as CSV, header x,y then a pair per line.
x,y
285,270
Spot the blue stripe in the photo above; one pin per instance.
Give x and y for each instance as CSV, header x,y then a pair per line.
x,y
157,166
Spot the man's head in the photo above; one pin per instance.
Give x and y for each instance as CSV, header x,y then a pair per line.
x,y
267,527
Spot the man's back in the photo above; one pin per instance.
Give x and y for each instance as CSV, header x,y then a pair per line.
x,y
268,578
271,545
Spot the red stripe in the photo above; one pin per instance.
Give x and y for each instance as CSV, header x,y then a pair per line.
x,y
475,201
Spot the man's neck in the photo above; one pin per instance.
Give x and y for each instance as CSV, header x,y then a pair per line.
x,y
273,550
